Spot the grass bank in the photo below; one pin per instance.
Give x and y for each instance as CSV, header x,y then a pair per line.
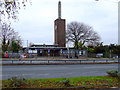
x,y
79,82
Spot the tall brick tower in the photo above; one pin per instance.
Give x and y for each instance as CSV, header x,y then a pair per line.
x,y
59,29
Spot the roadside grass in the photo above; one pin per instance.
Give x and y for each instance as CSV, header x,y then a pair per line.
x,y
86,82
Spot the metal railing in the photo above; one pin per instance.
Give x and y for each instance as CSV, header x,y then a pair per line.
x,y
56,61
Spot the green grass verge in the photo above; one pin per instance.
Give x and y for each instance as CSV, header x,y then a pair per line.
x,y
87,82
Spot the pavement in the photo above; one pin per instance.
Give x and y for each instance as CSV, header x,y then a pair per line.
x,y
58,58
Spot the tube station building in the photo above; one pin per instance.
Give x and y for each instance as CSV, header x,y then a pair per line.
x,y
59,48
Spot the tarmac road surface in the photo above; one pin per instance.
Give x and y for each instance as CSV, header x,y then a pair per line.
x,y
56,71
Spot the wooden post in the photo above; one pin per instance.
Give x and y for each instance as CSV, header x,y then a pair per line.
x,y
12,61
106,60
65,61
80,61
31,61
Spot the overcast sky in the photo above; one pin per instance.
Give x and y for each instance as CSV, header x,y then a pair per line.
x,y
36,22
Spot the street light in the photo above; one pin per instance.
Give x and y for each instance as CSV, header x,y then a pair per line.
x,y
68,51
25,43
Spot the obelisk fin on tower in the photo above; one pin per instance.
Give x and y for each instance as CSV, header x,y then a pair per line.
x,y
59,9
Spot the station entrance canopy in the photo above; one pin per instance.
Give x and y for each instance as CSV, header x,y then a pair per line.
x,y
53,50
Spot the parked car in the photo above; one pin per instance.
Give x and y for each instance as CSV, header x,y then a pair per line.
x,y
99,55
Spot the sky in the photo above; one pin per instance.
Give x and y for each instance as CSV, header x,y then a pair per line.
x,y
119,23
36,21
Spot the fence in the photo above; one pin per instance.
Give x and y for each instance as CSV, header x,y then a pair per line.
x,y
56,61
103,55
18,55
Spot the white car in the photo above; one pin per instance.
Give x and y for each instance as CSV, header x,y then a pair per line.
x,y
22,56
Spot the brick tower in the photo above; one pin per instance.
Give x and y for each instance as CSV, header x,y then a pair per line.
x,y
59,29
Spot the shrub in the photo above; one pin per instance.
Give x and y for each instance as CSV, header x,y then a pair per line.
x,y
66,81
15,82
112,73
118,74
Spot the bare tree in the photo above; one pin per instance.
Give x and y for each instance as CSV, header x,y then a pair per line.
x,y
8,36
9,8
7,33
78,32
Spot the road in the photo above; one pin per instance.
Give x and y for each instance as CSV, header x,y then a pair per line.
x,y
55,71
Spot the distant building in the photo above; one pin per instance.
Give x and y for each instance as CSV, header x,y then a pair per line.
x,y
45,50
60,33
59,47
54,50
59,29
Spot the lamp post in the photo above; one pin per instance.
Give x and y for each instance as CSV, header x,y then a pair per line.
x,y
25,43
68,51
118,23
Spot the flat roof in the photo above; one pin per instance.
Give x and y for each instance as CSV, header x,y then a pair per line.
x,y
44,48
43,45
